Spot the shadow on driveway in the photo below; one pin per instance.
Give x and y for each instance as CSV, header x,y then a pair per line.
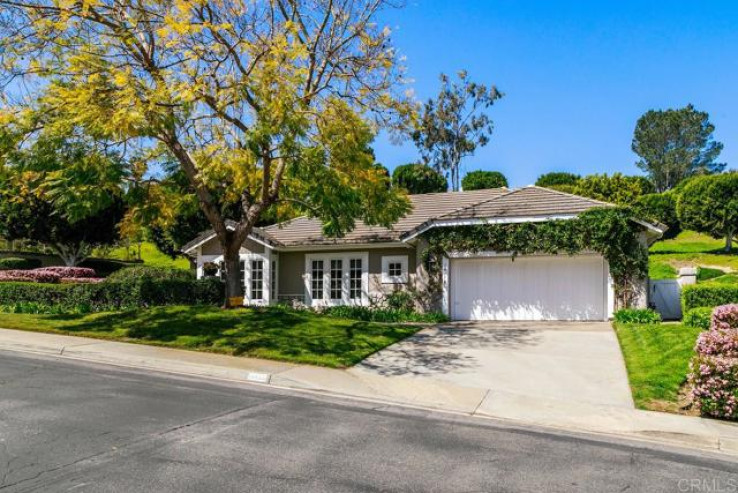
x,y
442,349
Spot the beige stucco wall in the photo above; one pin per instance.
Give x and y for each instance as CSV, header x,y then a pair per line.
x,y
292,270
376,287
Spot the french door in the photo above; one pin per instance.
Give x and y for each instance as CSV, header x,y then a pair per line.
x,y
337,279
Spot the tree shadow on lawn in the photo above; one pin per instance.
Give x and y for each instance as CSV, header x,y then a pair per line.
x,y
258,332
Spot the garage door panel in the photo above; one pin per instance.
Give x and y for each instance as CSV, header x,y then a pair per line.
x,y
528,288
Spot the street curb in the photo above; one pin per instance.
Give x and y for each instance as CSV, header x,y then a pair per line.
x,y
725,448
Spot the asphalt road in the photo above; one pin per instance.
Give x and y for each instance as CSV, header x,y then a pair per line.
x,y
69,426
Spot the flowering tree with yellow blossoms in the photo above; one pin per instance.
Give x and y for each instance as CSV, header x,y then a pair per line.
x,y
260,103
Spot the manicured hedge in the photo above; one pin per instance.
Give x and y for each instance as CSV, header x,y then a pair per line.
x,y
11,263
696,295
707,273
35,275
105,267
70,272
145,272
115,295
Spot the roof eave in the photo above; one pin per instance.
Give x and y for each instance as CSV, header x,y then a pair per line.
x,y
253,236
473,221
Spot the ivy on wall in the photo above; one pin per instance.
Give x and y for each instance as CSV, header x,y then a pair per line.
x,y
609,231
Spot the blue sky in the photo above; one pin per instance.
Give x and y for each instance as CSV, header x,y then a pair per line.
x,y
576,75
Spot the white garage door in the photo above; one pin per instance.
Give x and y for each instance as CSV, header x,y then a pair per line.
x,y
529,288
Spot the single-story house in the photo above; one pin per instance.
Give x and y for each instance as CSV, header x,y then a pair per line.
x,y
293,260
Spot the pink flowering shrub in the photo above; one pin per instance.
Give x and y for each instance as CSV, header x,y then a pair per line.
x,y
725,317
70,272
715,386
713,373
721,342
81,280
29,276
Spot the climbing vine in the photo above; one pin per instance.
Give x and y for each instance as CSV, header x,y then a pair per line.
x,y
608,231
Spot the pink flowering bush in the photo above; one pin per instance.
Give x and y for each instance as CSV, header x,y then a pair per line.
x,y
715,386
721,342
29,276
714,370
81,280
70,272
725,317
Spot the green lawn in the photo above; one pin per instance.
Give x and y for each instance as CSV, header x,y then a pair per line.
x,y
150,255
657,359
273,333
689,249
726,279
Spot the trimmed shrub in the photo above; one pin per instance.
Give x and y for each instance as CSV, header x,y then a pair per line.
x,y
709,295
69,272
637,316
480,180
108,295
556,178
707,273
386,315
29,276
105,267
418,178
81,280
153,273
698,317
725,317
17,263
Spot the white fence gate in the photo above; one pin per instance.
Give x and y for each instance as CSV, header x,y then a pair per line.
x,y
664,295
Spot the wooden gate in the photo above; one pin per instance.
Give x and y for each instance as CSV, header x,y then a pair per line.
x,y
665,298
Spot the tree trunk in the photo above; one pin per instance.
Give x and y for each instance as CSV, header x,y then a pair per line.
x,y
68,256
729,242
232,264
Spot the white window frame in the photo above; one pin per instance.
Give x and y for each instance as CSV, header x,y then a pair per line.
x,y
249,286
345,279
394,259
267,257
266,297
274,278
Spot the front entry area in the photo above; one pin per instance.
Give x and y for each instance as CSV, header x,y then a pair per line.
x,y
530,288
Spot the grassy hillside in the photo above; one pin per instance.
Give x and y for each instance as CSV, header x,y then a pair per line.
x,y
149,254
690,249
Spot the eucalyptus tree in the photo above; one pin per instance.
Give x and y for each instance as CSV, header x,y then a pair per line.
x,y
454,124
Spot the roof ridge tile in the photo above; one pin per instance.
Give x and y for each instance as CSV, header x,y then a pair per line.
x,y
580,197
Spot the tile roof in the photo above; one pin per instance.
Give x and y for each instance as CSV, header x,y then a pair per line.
x,y
428,208
309,231
256,234
527,202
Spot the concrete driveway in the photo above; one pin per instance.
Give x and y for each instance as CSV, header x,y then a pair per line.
x,y
571,363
